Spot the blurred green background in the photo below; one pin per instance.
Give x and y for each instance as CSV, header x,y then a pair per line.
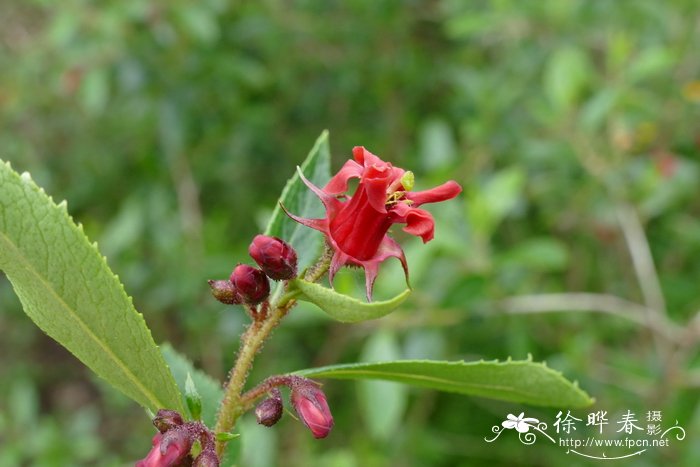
x,y
171,127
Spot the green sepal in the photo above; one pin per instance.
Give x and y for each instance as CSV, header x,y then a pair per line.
x,y
342,307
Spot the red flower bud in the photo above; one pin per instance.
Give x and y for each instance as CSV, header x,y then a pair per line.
x,y
274,256
269,411
225,292
168,450
250,283
167,419
311,406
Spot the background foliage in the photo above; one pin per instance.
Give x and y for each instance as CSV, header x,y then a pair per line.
x,y
170,128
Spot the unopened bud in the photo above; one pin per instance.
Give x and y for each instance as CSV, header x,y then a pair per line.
x,y
311,406
251,284
206,458
167,419
269,411
169,449
225,292
178,442
274,256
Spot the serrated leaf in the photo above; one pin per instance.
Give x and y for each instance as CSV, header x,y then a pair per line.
x,y
298,199
343,308
514,381
68,290
209,389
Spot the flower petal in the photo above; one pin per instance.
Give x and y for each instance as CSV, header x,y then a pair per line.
x,y
339,183
364,157
509,424
447,190
522,427
419,222
376,180
330,202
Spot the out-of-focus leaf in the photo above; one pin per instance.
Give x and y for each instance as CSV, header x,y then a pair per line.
x,y
437,145
208,388
595,110
298,199
68,290
514,381
650,62
539,254
489,203
566,75
342,307
382,402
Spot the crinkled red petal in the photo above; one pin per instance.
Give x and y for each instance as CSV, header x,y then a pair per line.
x,y
447,190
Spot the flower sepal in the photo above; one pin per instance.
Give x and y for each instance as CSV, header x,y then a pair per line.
x,y
342,307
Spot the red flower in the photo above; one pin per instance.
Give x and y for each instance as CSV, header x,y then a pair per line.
x,y
356,227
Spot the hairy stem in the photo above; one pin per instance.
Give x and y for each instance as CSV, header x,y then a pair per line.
x,y
232,405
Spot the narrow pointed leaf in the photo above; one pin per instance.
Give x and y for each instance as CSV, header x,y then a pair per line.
x,y
343,308
192,398
524,382
298,199
226,437
209,389
68,290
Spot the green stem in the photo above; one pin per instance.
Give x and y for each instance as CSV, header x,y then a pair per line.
x,y
252,341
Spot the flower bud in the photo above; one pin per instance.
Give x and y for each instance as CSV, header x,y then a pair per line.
x,y
269,411
311,406
225,292
250,283
176,441
274,256
167,419
167,452
206,458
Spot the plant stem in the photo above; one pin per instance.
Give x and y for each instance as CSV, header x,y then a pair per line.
x,y
252,341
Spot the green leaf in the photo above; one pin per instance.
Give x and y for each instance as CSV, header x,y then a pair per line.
x,y
492,201
524,382
209,389
226,437
343,308
192,398
382,403
298,199
567,74
68,290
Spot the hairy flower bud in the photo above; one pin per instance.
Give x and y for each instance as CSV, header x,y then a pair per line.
x,y
167,419
274,256
225,292
250,283
168,450
206,458
269,411
311,406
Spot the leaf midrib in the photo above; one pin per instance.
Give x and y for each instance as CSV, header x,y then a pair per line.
x,y
406,376
125,369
